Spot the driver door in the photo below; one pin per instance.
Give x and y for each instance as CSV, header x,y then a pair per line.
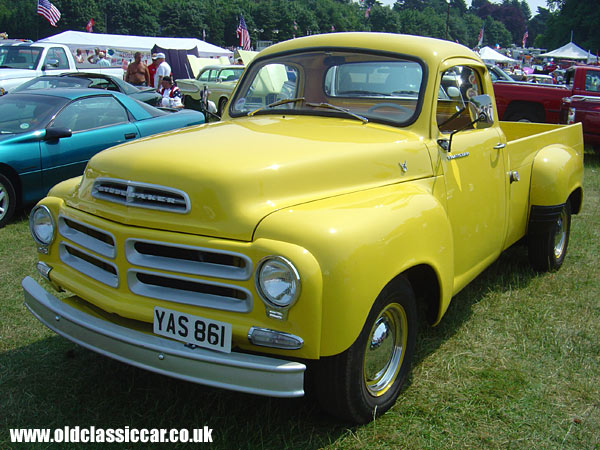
x,y
97,123
474,175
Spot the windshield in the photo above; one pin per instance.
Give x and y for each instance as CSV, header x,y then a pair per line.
x,y
375,87
17,57
52,82
25,112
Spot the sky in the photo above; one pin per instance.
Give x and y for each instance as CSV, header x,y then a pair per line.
x,y
533,4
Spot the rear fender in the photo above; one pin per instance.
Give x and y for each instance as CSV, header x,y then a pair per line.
x,y
557,172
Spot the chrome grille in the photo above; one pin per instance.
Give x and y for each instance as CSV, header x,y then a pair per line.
x,y
89,264
156,269
189,291
188,259
87,236
141,195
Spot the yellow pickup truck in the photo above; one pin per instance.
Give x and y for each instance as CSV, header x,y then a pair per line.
x,y
355,178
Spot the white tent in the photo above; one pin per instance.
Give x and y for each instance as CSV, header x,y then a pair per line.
x,y
83,40
489,54
568,51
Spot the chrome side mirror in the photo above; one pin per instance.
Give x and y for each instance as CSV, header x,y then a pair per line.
x,y
482,111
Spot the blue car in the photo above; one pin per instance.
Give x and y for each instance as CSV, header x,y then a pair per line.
x,y
49,135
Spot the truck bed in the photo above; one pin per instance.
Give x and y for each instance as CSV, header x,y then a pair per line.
x,y
524,141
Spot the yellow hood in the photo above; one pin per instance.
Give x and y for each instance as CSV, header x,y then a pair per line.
x,y
238,171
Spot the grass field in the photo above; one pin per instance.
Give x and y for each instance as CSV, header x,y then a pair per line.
x,y
515,363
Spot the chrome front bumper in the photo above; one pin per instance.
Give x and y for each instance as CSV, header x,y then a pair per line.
x,y
235,371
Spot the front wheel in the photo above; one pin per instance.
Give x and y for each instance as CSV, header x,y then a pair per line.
x,y
364,381
548,247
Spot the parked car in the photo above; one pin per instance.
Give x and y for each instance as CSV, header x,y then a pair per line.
x,y
47,136
497,73
23,61
539,78
533,102
342,193
219,80
92,80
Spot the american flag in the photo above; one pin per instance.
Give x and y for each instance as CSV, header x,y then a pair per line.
x,y
49,11
242,33
525,36
480,38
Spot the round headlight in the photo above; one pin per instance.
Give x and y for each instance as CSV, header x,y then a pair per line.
x,y
42,225
277,281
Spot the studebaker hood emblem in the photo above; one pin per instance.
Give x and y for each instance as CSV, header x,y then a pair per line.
x,y
227,178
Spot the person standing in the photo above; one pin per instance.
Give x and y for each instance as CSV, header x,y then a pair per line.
x,y
152,70
163,69
93,58
79,56
137,72
102,60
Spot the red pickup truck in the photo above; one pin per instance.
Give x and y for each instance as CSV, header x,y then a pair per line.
x,y
584,109
530,102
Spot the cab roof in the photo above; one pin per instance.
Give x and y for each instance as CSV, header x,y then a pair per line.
x,y
428,49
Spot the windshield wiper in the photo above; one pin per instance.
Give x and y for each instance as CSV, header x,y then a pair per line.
x,y
340,109
277,103
365,93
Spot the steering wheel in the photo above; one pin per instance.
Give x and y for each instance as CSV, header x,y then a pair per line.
x,y
404,109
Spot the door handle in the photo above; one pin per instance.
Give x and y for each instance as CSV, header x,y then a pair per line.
x,y
499,146
130,135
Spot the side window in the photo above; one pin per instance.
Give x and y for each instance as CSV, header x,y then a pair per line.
x,y
592,81
458,85
90,113
204,76
56,59
212,75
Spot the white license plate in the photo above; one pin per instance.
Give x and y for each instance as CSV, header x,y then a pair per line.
x,y
191,329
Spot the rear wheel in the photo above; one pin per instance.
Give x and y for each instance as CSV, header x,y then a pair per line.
x,y
364,381
8,200
548,246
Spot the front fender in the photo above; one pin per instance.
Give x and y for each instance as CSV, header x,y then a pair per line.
x,y
362,241
557,172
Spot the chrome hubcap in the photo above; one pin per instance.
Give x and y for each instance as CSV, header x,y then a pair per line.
x,y
560,237
385,349
3,201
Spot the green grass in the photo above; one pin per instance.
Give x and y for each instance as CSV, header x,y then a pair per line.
x,y
515,363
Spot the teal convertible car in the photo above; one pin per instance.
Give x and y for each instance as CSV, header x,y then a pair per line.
x,y
49,136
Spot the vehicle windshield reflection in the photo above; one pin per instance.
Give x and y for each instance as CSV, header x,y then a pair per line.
x,y
370,87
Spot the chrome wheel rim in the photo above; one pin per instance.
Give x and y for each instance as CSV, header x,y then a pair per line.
x,y
3,201
560,237
385,349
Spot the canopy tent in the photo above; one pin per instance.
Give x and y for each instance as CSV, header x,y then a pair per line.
x,y
567,51
84,40
489,54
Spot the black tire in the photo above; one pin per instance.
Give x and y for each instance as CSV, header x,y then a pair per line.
x,y
364,381
222,103
8,200
548,246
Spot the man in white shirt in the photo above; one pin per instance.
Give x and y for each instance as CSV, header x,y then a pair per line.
x,y
163,70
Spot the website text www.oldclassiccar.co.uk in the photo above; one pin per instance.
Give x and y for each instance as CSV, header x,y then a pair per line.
x,y
110,435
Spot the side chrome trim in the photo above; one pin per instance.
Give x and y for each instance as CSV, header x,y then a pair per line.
x,y
457,156
242,372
